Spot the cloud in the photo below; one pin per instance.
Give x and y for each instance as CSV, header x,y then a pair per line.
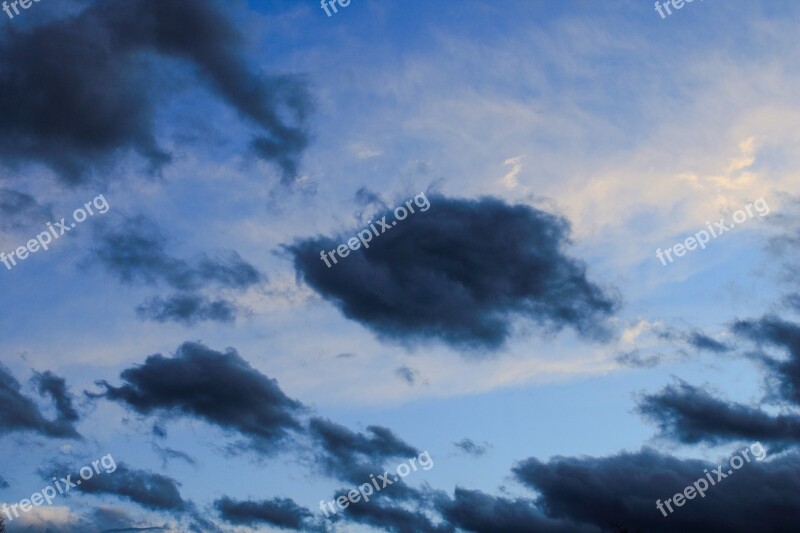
x,y
219,388
350,456
793,300
704,342
407,374
74,114
159,430
636,359
470,447
54,386
695,339
135,251
153,491
283,513
773,331
168,454
622,489
641,358
691,415
394,518
19,413
510,179
459,272
186,309
19,209
113,520
473,510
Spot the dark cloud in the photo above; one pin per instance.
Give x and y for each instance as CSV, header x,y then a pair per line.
x,y
56,387
470,447
696,339
394,518
159,430
459,272
366,198
135,252
19,209
704,342
152,491
186,309
772,331
623,489
220,388
407,374
283,513
81,90
473,510
691,415
19,413
350,456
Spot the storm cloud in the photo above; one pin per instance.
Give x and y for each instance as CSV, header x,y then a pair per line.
x,y
460,272
81,93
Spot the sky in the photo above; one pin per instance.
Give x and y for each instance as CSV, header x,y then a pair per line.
x,y
256,254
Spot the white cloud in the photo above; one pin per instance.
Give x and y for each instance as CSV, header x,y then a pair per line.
x,y
510,179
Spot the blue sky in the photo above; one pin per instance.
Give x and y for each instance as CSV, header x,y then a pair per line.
x,y
560,145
